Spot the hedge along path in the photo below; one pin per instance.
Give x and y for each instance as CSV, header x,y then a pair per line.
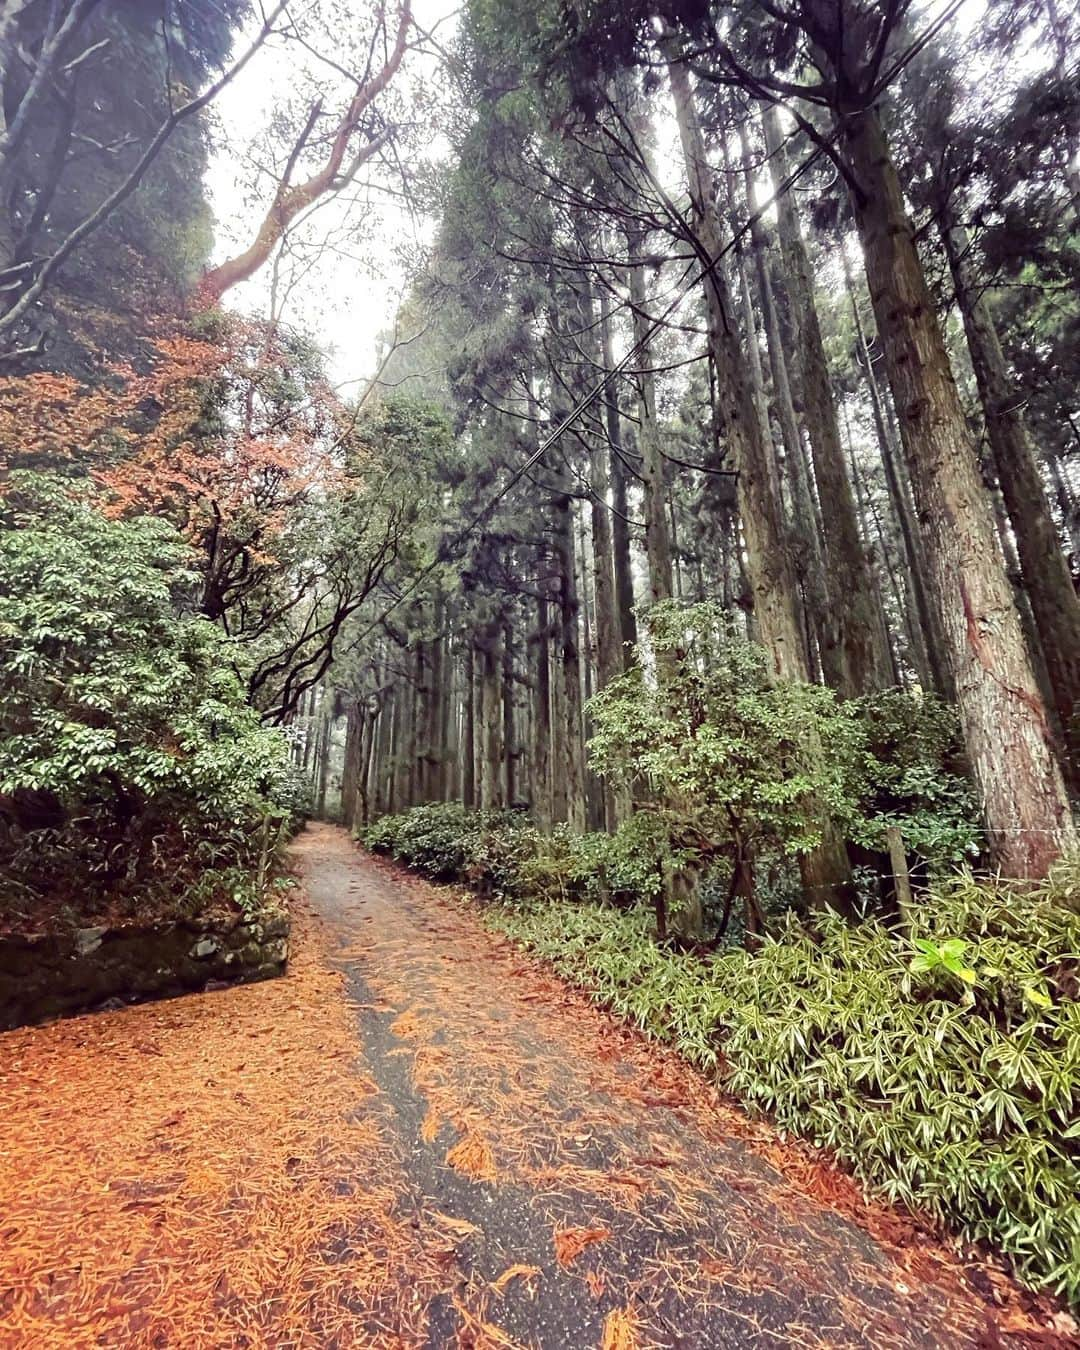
x,y
420,1137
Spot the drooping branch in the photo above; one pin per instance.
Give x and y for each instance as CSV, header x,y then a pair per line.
x,y
290,200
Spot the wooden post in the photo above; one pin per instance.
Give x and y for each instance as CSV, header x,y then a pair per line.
x,y
898,860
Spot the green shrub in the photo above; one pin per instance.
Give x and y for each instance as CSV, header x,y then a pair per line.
x,y
910,775
126,739
446,842
956,1093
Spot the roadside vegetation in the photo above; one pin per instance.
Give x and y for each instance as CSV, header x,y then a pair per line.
x,y
937,1060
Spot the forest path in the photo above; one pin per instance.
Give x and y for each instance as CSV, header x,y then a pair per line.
x,y
420,1137
615,1198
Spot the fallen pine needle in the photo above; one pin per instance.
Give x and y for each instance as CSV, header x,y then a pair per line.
x,y
407,1025
514,1273
461,1226
620,1330
571,1242
484,1333
473,1158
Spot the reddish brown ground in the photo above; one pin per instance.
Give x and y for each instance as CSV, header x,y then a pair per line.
x,y
421,1137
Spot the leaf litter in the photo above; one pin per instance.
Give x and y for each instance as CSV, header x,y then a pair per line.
x,y
216,1171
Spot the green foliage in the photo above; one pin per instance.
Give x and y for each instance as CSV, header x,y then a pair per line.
x,y
908,776
953,1094
737,760
124,719
446,842
736,756
502,855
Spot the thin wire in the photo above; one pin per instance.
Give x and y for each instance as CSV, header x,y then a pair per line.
x,y
447,548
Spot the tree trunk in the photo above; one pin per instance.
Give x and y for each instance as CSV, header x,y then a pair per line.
x,y
541,722
657,543
925,614
1008,736
354,728
864,659
620,524
825,611
491,757
1054,603
568,766
509,742
468,747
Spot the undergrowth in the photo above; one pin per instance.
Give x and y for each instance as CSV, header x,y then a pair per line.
x,y
941,1066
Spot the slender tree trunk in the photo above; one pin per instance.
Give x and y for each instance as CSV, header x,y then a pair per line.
x,y
620,525
468,748
657,543
322,755
491,750
509,740
541,757
383,795
354,729
605,592
824,614
1006,728
925,616
864,658
826,872
1054,603
569,765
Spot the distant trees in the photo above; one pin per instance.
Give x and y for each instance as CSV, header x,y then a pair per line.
x,y
822,481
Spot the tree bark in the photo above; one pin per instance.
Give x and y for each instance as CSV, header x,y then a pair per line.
x,y
541,722
620,524
864,662
825,610
657,543
931,638
1006,728
1054,603
491,756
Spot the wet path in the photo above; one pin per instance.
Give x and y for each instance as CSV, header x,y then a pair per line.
x,y
597,1191
420,1137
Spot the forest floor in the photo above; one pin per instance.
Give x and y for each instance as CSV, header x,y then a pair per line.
x,y
421,1137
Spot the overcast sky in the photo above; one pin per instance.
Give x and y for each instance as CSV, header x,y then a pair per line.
x,y
369,238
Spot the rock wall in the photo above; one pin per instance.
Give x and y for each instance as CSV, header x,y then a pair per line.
x,y
45,976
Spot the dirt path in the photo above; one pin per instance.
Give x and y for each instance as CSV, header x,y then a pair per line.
x,y
420,1137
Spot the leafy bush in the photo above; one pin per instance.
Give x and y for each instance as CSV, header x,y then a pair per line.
x,y
910,775
740,760
748,770
126,734
446,842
